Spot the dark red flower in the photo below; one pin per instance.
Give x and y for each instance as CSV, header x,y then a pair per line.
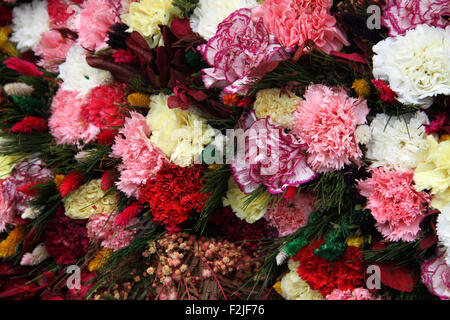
x,y
23,67
70,183
65,239
185,97
106,137
346,273
180,28
384,91
29,124
174,194
439,124
129,213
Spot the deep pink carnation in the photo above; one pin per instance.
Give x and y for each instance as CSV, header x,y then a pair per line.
x,y
67,123
94,21
101,227
65,239
273,158
295,21
355,294
52,50
289,215
141,160
396,206
436,276
14,201
238,47
326,121
102,106
60,13
402,15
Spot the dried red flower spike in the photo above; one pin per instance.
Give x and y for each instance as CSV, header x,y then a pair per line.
x,y
129,213
29,124
70,183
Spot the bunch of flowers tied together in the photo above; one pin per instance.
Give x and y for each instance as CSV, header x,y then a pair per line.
x,y
287,132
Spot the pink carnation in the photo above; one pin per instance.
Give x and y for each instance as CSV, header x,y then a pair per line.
x,y
52,50
289,215
94,21
396,206
238,47
274,158
67,123
295,21
13,202
326,121
355,294
436,276
101,227
60,12
402,15
141,160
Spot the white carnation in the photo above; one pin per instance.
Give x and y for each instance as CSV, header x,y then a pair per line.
x,y
395,141
210,13
30,20
416,65
443,231
78,76
295,288
362,134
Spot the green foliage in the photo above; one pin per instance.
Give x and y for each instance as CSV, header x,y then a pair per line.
x,y
399,253
31,106
186,6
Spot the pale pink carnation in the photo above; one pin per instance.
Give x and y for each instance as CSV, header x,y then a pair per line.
x,y
436,276
101,228
295,21
400,16
289,215
67,123
282,167
94,21
355,294
394,203
326,121
52,50
238,47
13,202
141,160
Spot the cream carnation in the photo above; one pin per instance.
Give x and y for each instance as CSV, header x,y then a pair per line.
x,y
146,16
78,76
209,13
295,288
395,141
363,134
235,198
279,106
30,20
443,231
38,255
88,200
416,65
433,170
180,134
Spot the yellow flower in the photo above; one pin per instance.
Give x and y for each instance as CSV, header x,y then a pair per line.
x,y
280,107
138,99
277,287
444,137
7,164
235,198
356,242
433,170
145,17
89,199
361,87
58,180
100,259
6,46
9,245
214,166
180,134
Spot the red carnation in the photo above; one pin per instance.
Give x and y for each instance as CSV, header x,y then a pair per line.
x,y
106,137
384,91
346,273
174,194
28,189
65,239
129,213
70,183
123,56
29,124
23,67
